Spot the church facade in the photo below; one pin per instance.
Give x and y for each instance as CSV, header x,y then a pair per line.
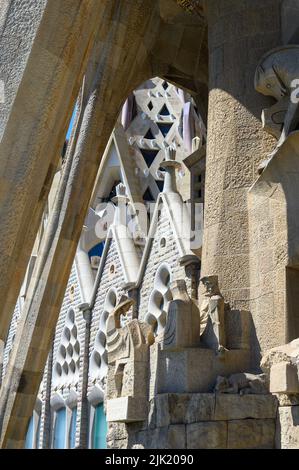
x,y
149,231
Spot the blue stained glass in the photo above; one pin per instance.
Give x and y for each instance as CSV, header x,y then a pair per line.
x,y
97,250
59,432
29,435
73,428
99,428
37,433
71,124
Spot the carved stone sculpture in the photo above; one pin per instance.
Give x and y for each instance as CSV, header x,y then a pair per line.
x,y
128,359
212,313
182,329
276,76
242,383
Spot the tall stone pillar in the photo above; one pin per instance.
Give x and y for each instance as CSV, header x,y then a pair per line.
x,y
240,32
44,46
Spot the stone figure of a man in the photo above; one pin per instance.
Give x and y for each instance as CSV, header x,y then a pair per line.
x,y
212,313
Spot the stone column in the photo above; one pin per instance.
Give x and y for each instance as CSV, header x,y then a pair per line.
x,y
44,49
82,432
240,32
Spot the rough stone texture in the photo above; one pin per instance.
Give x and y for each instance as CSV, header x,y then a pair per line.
x,y
19,21
284,378
287,428
40,76
236,144
175,371
245,406
204,421
212,435
251,434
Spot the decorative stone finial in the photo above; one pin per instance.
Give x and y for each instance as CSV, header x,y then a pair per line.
x,y
170,165
121,194
120,201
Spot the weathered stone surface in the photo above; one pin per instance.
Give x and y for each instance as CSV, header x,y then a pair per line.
x,y
201,407
209,435
119,444
162,410
126,409
175,370
180,408
232,158
158,438
116,431
251,434
176,436
287,428
287,400
152,415
230,407
284,378
285,353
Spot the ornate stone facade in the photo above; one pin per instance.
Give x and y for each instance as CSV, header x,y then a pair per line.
x,y
149,260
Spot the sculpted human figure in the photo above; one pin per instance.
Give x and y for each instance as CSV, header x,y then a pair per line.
x,y
212,311
182,329
127,348
277,75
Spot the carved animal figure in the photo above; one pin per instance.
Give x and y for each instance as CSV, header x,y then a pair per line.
x,y
242,383
274,76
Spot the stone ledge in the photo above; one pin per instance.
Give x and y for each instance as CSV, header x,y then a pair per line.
x,y
231,407
187,408
251,434
207,435
234,434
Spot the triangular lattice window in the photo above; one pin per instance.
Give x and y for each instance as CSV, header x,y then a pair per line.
x,y
147,196
149,155
164,127
160,184
149,135
164,111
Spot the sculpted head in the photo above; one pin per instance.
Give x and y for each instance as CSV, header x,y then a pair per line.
x,y
211,285
267,80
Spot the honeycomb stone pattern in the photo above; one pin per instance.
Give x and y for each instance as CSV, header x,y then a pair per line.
x,y
66,370
159,299
99,360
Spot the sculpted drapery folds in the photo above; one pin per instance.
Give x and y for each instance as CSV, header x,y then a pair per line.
x,y
277,75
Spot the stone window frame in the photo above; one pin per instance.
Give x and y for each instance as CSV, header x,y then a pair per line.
x,y
36,417
57,403
95,398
